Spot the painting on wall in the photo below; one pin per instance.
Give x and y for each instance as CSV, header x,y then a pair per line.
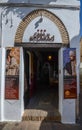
x,y
12,61
70,75
12,73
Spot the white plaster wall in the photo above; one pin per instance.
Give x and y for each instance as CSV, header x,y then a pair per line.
x,y
66,2
0,27
8,31
67,107
11,17
0,83
61,88
13,109
69,111
70,18
2,57
46,24
0,64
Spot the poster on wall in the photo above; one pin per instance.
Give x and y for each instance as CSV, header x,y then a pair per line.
x,y
70,76
12,73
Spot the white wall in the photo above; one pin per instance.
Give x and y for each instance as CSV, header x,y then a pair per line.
x,y
0,84
67,107
70,18
66,2
2,70
0,27
46,24
13,16
69,111
61,87
11,110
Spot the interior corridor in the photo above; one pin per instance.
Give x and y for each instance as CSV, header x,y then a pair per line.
x,y
43,96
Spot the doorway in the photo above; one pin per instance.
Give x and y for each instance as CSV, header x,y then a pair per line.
x,y
41,80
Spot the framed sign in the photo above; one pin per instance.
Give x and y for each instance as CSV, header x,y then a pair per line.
x,y
12,73
12,87
70,76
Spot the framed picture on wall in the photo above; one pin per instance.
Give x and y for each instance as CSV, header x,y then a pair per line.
x,y
70,75
12,73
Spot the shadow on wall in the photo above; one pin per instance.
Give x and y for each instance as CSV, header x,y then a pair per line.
x,y
22,12
32,1
75,41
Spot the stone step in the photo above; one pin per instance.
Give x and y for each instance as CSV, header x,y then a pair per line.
x,y
41,115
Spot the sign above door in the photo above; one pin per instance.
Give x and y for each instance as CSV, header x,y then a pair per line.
x,y
41,36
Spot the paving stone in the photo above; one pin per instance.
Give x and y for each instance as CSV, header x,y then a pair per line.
x,y
38,125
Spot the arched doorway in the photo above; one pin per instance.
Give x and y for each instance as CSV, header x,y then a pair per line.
x,y
45,51
27,19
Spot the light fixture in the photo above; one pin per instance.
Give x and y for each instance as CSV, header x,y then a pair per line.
x,y
49,57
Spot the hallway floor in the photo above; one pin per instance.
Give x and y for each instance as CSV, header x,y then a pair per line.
x,y
43,106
